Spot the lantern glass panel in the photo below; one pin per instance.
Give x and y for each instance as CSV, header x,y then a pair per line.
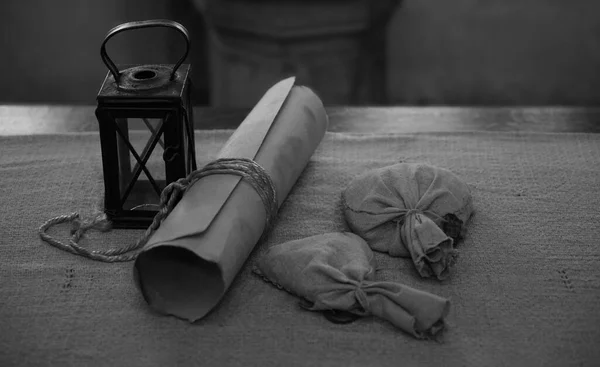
x,y
146,138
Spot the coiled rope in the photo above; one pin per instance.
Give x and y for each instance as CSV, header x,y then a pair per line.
x,y
248,169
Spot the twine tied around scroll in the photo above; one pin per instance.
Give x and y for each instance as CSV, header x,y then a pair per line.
x,y
248,169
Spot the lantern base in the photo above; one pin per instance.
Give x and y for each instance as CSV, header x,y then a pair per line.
x,y
130,219
139,209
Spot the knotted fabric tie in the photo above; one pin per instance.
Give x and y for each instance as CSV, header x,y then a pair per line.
x,y
361,297
248,169
402,221
405,213
430,248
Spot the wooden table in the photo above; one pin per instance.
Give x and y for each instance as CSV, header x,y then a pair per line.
x,y
40,119
525,290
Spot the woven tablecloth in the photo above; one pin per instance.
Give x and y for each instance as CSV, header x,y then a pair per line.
x,y
525,290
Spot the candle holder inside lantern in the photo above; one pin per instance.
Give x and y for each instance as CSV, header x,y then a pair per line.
x,y
145,122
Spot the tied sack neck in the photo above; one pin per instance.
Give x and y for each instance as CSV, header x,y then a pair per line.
x,y
431,250
416,312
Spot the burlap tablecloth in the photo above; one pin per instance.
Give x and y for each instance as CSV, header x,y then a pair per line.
x,y
525,290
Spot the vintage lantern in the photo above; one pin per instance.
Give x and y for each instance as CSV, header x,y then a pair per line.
x,y
157,99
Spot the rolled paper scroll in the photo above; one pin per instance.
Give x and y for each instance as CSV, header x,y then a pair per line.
x,y
410,210
336,271
192,258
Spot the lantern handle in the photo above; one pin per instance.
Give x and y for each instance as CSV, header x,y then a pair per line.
x,y
143,24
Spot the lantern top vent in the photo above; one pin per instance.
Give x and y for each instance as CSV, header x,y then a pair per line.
x,y
125,82
146,81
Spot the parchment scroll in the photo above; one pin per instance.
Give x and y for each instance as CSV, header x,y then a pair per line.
x,y
190,261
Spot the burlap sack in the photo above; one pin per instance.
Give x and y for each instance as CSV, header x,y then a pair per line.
x,y
336,271
410,210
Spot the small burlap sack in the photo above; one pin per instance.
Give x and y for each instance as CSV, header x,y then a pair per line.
x,y
410,210
336,271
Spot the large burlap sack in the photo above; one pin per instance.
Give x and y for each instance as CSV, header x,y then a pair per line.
x,y
410,210
336,271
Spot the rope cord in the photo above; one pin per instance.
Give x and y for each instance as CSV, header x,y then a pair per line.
x,y
248,169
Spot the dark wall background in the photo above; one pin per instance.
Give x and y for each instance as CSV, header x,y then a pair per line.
x,y
496,51
50,50
440,52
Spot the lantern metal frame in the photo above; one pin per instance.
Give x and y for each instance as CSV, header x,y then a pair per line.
x,y
143,92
